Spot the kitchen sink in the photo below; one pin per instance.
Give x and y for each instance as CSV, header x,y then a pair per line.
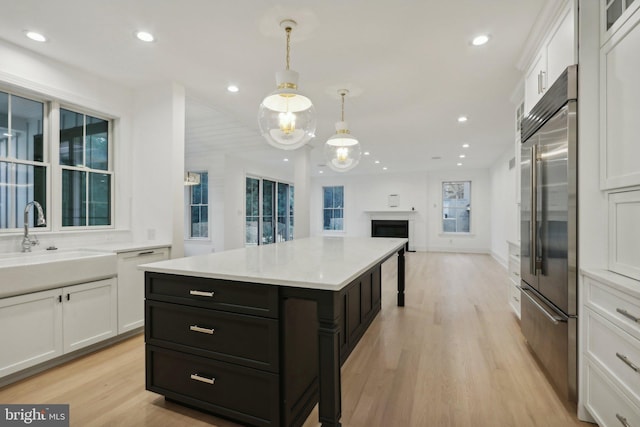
x,y
22,273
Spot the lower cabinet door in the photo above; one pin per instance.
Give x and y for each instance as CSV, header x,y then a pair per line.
x,y
606,403
90,313
247,395
30,330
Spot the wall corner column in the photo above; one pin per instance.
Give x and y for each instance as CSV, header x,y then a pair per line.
x,y
302,184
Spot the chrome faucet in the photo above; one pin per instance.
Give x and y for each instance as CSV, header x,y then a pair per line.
x,y
29,241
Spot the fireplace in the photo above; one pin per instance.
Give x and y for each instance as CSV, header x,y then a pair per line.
x,y
390,228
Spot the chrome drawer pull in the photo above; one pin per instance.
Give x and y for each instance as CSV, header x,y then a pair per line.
x,y
201,293
625,313
197,377
626,360
623,420
196,328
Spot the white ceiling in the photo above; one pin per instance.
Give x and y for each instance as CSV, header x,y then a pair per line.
x,y
410,62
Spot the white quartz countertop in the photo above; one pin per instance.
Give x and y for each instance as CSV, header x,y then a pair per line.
x,y
316,262
128,246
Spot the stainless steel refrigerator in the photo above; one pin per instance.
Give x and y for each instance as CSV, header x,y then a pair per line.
x,y
548,241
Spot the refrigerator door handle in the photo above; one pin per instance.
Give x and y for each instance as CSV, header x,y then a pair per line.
x,y
555,319
533,224
538,264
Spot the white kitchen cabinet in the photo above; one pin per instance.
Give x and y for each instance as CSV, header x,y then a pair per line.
x,y
30,330
620,105
514,277
624,233
557,52
89,313
131,285
610,319
534,81
40,326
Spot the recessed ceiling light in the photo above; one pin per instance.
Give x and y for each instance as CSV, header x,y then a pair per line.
x,y
462,156
35,36
384,168
465,145
321,172
366,153
233,88
377,162
285,159
459,164
145,36
480,40
462,119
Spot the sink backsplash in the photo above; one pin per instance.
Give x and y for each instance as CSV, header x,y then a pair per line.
x,y
64,240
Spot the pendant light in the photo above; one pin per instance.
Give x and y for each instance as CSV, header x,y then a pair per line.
x,y
286,117
191,178
342,150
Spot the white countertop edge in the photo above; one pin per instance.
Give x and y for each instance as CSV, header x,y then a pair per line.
x,y
622,283
252,278
128,246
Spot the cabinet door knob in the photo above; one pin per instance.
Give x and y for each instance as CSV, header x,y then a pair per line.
x,y
202,379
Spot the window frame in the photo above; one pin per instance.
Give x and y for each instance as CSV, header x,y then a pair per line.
x,y
58,168
46,162
468,208
190,204
329,230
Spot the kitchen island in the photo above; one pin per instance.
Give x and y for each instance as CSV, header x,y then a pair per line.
x,y
258,334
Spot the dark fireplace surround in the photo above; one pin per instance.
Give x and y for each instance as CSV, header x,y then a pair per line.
x,y
390,228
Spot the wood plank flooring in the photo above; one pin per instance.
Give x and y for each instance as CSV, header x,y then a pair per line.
x,y
454,356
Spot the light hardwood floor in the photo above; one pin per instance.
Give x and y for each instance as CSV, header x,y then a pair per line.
x,y
454,356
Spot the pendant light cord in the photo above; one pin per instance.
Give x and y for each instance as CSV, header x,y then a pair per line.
x,y
342,94
288,30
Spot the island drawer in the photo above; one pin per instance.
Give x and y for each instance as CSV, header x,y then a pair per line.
x,y
226,295
238,338
244,394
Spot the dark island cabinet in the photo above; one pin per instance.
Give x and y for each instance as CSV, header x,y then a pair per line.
x,y
245,351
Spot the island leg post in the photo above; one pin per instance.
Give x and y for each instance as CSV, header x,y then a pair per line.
x,y
330,401
401,277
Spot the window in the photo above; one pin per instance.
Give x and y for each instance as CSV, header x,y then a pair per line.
x,y
269,210
85,170
456,206
333,208
23,163
199,207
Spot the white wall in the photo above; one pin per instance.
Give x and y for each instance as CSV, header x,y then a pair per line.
x,y
479,238
369,193
28,73
503,206
419,190
158,157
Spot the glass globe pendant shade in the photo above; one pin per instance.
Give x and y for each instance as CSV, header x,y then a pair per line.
x,y
342,151
286,117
